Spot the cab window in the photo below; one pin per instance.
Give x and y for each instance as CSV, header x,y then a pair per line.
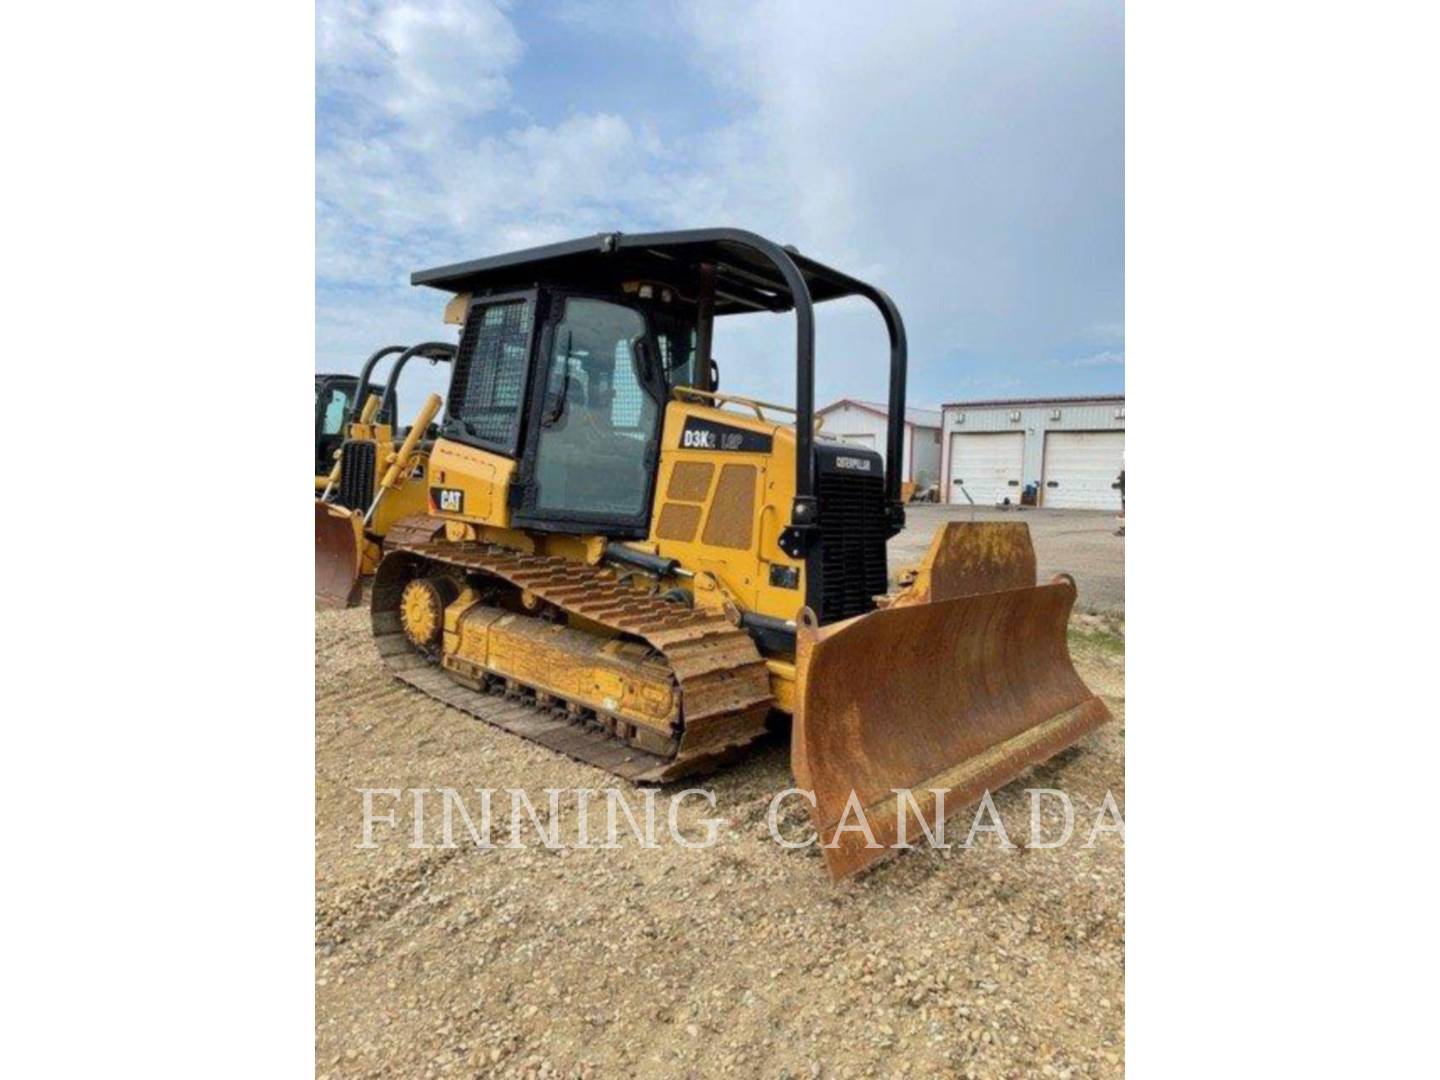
x,y
676,340
599,418
488,384
335,409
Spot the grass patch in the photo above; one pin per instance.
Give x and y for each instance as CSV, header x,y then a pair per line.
x,y
1097,634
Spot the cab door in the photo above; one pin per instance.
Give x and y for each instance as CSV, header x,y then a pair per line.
x,y
333,401
596,410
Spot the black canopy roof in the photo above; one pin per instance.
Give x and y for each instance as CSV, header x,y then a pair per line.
x,y
747,279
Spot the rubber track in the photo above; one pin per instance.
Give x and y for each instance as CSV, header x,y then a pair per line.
x,y
724,683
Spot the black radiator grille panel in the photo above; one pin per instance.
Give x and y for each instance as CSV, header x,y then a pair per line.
x,y
853,531
357,475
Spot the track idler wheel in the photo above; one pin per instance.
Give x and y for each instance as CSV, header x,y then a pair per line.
x,y
422,609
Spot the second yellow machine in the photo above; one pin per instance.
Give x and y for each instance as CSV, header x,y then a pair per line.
x,y
376,476
626,565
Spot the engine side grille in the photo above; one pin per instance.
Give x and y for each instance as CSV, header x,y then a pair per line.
x,y
357,475
851,550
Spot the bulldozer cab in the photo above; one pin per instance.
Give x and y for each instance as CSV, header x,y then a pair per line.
x,y
571,352
335,400
572,383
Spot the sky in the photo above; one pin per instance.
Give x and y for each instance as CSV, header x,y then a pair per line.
x,y
965,156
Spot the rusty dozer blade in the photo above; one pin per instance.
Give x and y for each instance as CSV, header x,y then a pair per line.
x,y
958,694
968,557
339,548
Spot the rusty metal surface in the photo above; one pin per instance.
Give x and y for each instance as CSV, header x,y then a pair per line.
x,y
960,694
415,529
723,682
339,543
970,557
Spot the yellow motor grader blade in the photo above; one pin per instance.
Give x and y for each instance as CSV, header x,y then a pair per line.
x,y
954,695
339,551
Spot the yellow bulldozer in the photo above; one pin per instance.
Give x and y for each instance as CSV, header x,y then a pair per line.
x,y
623,564
376,474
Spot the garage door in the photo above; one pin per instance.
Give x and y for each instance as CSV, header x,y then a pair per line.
x,y
1080,466
857,439
987,465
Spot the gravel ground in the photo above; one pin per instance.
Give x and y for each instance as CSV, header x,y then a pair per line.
x,y
739,958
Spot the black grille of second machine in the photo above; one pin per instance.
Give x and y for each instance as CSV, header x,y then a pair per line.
x,y
852,543
357,475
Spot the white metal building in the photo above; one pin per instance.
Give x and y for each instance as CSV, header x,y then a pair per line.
x,y
1073,447
863,423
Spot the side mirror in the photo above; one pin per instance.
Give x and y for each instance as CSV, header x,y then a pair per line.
x,y
714,375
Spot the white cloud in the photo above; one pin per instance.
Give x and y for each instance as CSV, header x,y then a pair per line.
x,y
450,58
406,176
403,174
967,158
1104,358
426,64
1106,332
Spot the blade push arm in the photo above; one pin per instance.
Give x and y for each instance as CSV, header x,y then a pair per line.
x,y
399,461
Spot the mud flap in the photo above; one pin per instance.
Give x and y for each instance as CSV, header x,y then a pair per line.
x,y
945,699
339,550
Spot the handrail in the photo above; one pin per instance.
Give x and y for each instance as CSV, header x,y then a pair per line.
x,y
434,351
364,385
734,399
